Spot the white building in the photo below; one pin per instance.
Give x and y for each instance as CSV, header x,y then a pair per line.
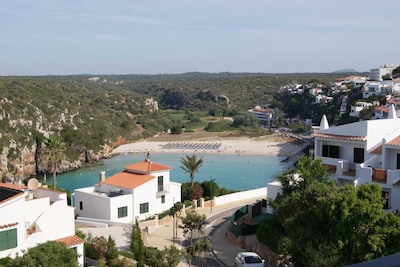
x,y
140,191
264,115
315,91
376,74
356,80
364,152
323,99
32,216
358,106
382,112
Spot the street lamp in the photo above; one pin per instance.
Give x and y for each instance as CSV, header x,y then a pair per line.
x,y
211,193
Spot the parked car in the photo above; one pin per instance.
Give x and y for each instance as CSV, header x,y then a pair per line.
x,y
248,259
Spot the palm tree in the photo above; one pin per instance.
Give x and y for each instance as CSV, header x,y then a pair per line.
x,y
191,165
54,154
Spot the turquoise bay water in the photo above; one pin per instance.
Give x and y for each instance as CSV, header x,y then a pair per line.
x,y
237,172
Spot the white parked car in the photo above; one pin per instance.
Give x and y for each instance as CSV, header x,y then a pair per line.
x,y
248,259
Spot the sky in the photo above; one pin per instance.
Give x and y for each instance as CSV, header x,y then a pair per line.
x,y
60,37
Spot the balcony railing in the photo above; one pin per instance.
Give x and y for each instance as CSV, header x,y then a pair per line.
x,y
340,167
350,169
162,189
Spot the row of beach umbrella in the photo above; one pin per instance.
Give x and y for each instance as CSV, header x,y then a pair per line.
x,y
192,145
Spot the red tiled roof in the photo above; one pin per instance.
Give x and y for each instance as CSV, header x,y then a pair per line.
x,y
18,190
397,183
394,142
13,186
127,179
147,167
70,240
8,225
377,151
264,110
340,136
384,109
395,101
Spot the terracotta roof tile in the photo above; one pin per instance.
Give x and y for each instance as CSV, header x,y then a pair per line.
x,y
70,240
147,167
10,191
395,101
8,225
384,109
340,136
127,179
394,142
13,186
377,150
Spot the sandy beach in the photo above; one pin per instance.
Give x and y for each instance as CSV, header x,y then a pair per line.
x,y
248,146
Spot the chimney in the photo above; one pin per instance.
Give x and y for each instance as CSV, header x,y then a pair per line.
x,y
102,176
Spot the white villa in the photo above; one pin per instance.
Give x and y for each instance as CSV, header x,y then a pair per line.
x,y
359,153
363,152
140,191
32,215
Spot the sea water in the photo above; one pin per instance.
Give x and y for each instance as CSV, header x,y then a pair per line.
x,y
236,172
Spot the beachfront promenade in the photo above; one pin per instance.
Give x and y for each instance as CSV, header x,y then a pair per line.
x,y
160,234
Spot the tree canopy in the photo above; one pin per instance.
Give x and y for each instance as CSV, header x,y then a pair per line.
x,y
54,154
322,224
48,254
191,165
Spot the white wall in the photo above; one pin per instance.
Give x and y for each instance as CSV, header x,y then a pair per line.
x,y
34,208
12,212
260,192
175,194
272,191
119,202
94,205
146,193
53,195
57,221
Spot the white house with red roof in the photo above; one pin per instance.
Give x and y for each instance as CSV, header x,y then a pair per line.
x,y
138,192
364,152
34,215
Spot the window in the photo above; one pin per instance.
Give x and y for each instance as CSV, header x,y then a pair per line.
x,y
160,183
330,151
163,199
122,212
8,239
80,205
386,199
144,207
398,161
358,155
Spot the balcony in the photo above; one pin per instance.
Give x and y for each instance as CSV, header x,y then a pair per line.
x,y
378,175
162,189
340,167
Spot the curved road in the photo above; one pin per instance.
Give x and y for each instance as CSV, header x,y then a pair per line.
x,y
223,251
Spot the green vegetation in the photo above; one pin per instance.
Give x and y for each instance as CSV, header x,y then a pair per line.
x,y
48,254
322,224
202,189
190,223
191,165
54,154
90,117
